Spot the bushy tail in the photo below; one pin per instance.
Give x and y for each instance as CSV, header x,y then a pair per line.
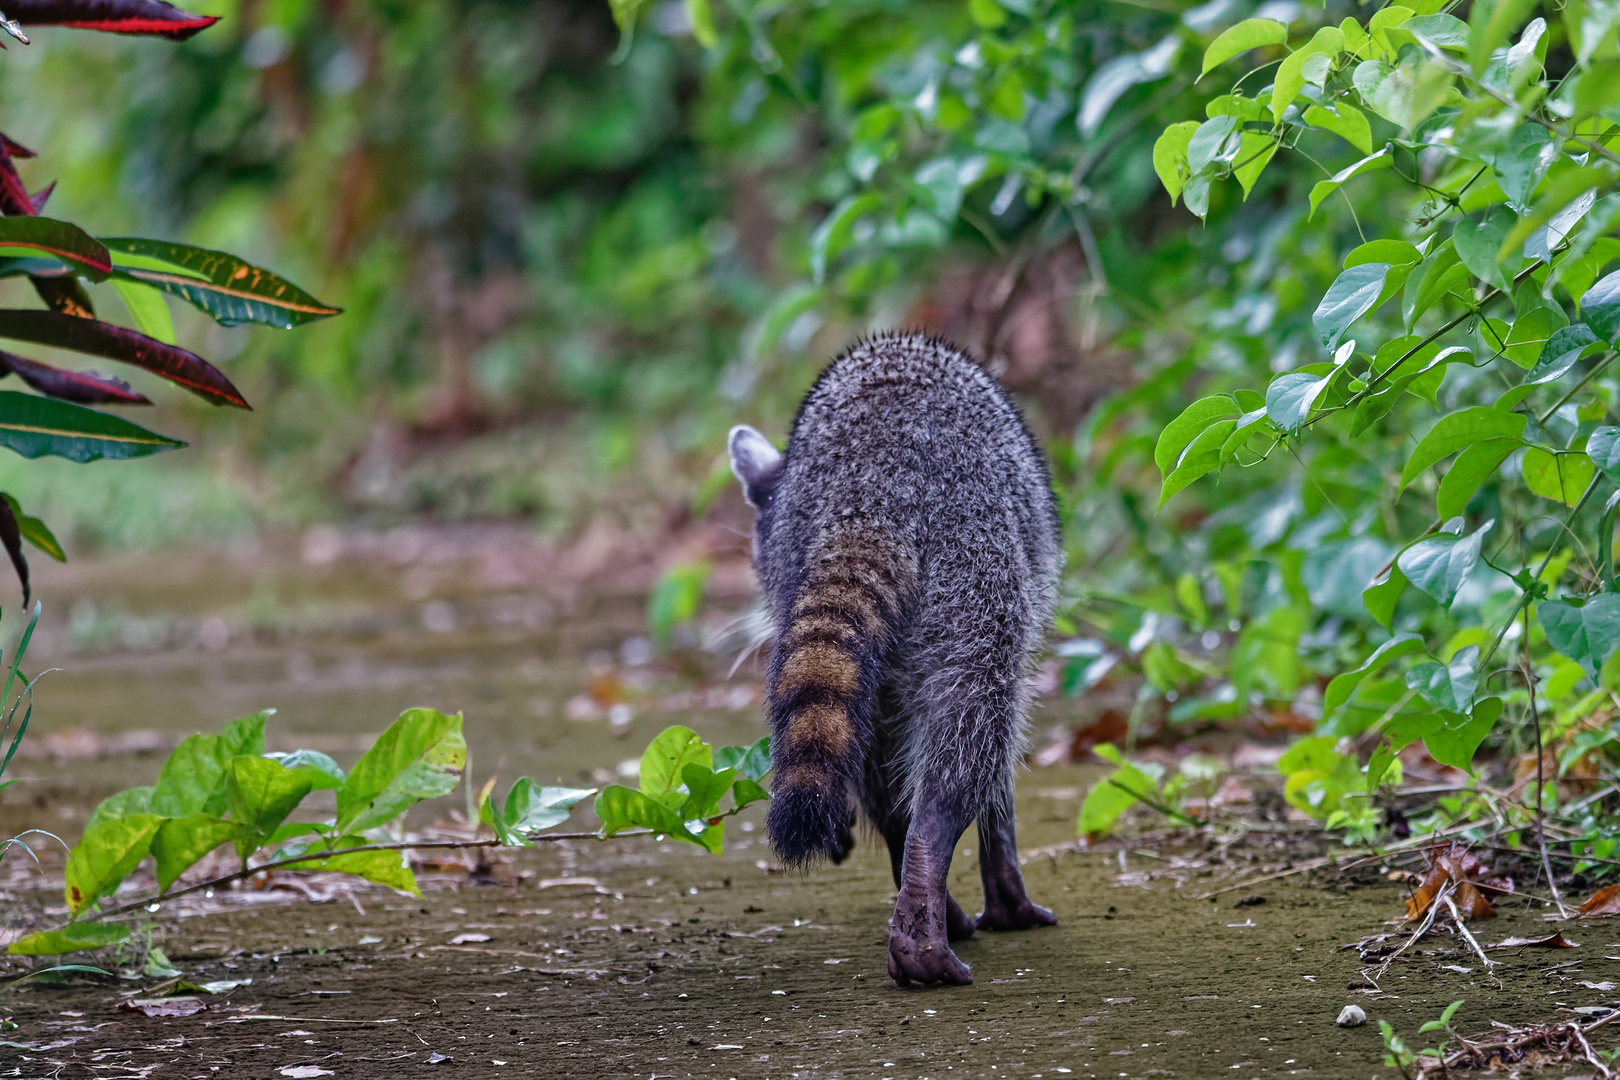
x,y
821,697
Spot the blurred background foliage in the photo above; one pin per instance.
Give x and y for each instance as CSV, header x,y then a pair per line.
x,y
566,271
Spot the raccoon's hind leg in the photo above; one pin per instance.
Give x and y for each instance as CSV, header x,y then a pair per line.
x,y
919,932
883,798
1006,905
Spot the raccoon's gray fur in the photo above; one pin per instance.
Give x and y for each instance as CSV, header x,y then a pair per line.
x,y
907,543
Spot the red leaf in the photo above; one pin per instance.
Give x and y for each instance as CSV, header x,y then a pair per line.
x,y
96,338
14,148
84,387
114,16
11,537
14,198
1606,901
37,199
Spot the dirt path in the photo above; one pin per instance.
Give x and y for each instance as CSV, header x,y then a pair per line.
x,y
651,960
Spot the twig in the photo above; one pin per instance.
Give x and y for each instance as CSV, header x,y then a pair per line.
x,y
1423,928
1541,757
1463,930
282,864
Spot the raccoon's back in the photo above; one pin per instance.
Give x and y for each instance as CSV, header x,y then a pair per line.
x,y
909,436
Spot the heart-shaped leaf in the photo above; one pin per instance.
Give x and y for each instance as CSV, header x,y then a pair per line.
x,y
1588,633
1353,294
1440,565
1447,686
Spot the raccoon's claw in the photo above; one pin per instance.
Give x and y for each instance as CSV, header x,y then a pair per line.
x,y
959,925
925,962
1022,916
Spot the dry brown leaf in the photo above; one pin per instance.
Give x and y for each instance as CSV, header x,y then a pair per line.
x,y
1604,902
1556,940
1471,903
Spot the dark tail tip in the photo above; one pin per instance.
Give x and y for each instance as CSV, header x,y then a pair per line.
x,y
806,826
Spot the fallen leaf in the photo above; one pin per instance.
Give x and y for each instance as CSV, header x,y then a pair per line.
x,y
468,939
222,986
1606,984
304,1072
435,1057
726,1046
1118,1001
1557,940
1471,903
175,1006
1604,902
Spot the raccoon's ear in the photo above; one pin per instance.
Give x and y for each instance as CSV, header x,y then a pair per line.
x,y
756,463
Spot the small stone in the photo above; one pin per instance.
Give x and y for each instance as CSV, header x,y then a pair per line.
x,y
1352,1016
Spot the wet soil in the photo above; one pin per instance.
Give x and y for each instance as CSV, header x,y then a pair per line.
x,y
635,958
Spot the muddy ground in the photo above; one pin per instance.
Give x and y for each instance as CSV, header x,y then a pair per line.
x,y
631,958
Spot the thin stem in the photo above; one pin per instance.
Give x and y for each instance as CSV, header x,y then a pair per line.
x,y
1541,757
282,864
1597,369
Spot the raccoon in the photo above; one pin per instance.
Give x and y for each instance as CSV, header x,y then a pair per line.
x,y
907,543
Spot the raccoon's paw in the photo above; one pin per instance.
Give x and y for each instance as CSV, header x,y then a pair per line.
x,y
959,925
843,842
1024,915
925,962
919,952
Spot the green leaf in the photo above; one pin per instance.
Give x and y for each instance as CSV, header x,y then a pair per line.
x,y
36,426
1440,273
1600,308
620,808
665,758
1587,633
1345,121
1562,351
1371,163
105,856
1380,597
74,937
135,800
1181,431
193,779
1290,78
383,867
1603,447
181,841
420,756
530,808
1383,756
1457,431
260,793
1266,655
1246,35
751,761
1559,477
323,773
229,289
35,531
1456,740
1478,242
1468,472
1110,797
1489,24
1522,165
1394,252
1254,154
1339,690
745,791
832,237
676,597
1447,686
1528,337
1202,456
1446,31
1290,398
705,787
1353,294
1170,157
1440,565
1118,75
701,16
24,235
148,308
